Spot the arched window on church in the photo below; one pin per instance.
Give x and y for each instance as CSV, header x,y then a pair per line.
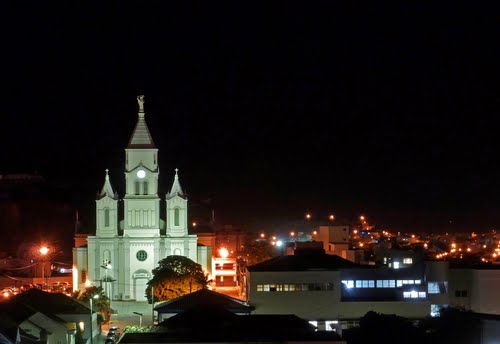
x,y
177,252
106,217
137,187
176,216
145,187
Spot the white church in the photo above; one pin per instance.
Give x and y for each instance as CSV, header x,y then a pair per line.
x,y
123,252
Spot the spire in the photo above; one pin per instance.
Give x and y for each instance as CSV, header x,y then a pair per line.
x,y
107,189
141,138
176,187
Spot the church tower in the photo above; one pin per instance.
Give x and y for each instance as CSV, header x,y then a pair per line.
x,y
141,201
106,206
177,220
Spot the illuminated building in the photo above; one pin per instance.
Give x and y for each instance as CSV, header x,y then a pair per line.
x,y
136,243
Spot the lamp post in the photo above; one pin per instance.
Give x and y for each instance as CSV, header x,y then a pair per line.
x,y
140,318
91,318
43,251
106,264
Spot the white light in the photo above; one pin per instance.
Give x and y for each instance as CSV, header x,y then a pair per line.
x,y
279,243
141,174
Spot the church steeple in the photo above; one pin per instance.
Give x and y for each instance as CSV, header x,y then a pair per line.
x,y
106,210
141,137
107,189
176,187
141,201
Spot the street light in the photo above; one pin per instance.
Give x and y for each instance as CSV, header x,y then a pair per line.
x,y
43,251
91,318
140,318
106,264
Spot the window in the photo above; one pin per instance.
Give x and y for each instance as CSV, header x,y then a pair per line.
x,y
145,187
260,287
348,283
407,260
314,323
418,281
421,294
414,294
141,255
464,293
399,283
176,216
433,288
137,187
396,265
106,217
331,325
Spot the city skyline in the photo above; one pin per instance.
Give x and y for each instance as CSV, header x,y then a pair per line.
x,y
271,112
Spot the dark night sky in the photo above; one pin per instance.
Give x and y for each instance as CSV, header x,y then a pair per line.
x,y
387,110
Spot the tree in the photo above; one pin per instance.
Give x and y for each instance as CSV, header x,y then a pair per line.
x,y
255,252
175,276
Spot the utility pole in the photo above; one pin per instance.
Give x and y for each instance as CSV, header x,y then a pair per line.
x,y
152,305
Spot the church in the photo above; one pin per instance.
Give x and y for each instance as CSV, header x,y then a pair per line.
x,y
124,251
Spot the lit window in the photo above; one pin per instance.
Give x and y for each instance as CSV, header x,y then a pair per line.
x,y
396,265
348,283
314,323
371,284
260,287
330,325
365,284
421,294
414,294
418,281
292,287
436,310
266,287
358,284
406,294
380,284
410,281
392,284
399,283
407,260
385,260
433,288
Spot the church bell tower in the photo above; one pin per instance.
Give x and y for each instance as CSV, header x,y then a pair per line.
x,y
141,201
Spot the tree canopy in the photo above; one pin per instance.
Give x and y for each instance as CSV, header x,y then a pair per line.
x,y
175,276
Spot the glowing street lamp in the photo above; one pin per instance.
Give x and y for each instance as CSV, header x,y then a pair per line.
x,y
44,250
262,235
223,252
331,217
308,216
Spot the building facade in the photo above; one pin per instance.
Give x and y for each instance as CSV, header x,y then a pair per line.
x,y
124,251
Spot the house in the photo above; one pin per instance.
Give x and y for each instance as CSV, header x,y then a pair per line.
x,y
203,297
51,317
214,324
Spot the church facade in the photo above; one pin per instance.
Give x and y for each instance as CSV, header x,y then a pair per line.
x,y
123,252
